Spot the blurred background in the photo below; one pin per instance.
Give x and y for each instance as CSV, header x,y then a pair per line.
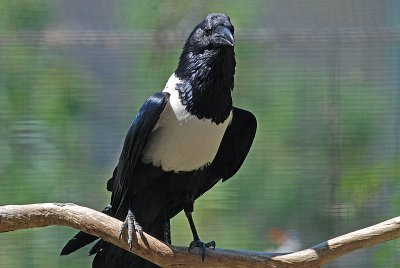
x,y
322,78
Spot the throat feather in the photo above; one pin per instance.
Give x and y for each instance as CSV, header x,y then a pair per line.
x,y
207,80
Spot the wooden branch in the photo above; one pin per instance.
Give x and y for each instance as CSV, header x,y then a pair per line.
x,y
14,217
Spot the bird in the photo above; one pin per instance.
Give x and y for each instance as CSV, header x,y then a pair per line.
x,y
183,141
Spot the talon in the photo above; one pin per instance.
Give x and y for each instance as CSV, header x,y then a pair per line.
x,y
202,246
131,225
138,228
211,244
122,229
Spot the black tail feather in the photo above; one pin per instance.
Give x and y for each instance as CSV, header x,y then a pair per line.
x,y
80,240
97,247
167,232
110,256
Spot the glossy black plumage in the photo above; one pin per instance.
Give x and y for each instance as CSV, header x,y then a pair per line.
x,y
155,190
207,67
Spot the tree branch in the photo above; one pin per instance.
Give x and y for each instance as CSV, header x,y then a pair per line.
x,y
14,217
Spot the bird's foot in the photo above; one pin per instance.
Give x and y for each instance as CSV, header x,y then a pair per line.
x,y
202,246
132,226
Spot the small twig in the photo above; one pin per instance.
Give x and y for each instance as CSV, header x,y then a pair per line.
x,y
14,217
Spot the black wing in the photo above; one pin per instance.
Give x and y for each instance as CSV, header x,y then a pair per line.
x,y
234,148
142,126
137,135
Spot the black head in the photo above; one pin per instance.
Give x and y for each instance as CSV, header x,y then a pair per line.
x,y
214,32
207,65
210,41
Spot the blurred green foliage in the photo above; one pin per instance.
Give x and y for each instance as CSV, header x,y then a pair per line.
x,y
324,161
24,15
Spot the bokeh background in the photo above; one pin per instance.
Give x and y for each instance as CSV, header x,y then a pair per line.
x,y
322,78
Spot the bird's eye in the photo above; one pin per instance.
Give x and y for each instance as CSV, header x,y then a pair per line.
x,y
207,31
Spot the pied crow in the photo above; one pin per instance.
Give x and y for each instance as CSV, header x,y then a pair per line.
x,y
181,143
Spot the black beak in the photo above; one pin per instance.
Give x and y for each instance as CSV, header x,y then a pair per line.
x,y
223,36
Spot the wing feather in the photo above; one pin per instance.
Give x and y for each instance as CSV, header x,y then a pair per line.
x,y
136,138
234,147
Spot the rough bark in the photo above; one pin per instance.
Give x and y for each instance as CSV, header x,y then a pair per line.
x,y
14,217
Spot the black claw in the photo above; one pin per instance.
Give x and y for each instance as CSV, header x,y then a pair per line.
x,y
211,244
132,226
202,246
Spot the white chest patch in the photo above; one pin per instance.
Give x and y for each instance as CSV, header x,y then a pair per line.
x,y
180,141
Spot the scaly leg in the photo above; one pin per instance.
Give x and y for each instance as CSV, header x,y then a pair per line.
x,y
132,225
196,240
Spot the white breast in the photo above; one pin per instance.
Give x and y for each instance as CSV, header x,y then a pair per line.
x,y
180,141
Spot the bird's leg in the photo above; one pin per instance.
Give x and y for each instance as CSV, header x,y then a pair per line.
x,y
132,225
196,243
